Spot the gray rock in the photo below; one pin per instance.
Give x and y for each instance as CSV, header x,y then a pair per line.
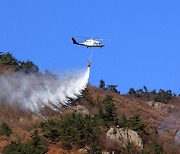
x,y
159,106
150,103
79,109
156,105
123,136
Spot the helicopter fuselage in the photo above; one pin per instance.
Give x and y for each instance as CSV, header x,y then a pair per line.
x,y
89,43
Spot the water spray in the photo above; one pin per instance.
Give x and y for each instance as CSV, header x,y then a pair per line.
x,y
34,92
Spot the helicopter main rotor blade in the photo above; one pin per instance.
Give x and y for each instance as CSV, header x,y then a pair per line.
x,y
102,39
92,38
83,37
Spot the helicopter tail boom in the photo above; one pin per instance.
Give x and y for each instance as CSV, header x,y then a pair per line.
x,y
74,41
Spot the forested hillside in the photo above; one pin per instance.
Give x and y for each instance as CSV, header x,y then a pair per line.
x,y
101,120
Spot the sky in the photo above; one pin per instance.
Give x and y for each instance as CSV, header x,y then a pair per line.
x,y
142,46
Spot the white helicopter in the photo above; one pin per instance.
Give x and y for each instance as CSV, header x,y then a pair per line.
x,y
90,42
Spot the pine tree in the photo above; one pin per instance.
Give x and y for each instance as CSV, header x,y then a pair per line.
x,y
113,88
102,84
110,114
132,92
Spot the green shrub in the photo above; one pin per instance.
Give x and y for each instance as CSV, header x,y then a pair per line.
x,y
72,130
5,129
15,147
144,151
102,84
8,59
163,96
112,88
142,92
86,97
132,92
100,110
78,130
156,148
110,114
28,67
36,146
93,149
51,130
134,123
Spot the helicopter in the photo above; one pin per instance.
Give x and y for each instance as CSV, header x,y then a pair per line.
x,y
90,42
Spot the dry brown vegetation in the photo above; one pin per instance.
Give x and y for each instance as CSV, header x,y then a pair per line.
x,y
161,124
166,121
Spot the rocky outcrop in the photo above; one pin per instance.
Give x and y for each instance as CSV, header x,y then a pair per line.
x,y
124,136
150,103
79,109
156,105
159,106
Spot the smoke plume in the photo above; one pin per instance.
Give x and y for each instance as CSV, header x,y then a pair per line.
x,y
34,92
177,138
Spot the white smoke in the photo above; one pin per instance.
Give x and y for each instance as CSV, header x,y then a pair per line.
x,y
34,92
177,137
